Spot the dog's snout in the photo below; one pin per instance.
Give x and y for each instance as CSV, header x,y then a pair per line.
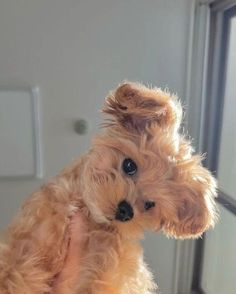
x,y
124,211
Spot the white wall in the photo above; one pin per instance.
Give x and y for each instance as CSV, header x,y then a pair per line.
x,y
75,51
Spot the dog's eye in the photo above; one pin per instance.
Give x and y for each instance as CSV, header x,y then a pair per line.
x,y
149,204
129,167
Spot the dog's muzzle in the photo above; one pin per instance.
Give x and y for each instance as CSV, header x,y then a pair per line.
x,y
124,211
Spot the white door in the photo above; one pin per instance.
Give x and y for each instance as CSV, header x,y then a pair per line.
x,y
75,52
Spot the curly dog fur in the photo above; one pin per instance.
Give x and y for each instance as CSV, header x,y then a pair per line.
x,y
144,126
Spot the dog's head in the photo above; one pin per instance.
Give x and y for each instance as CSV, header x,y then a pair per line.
x,y
141,173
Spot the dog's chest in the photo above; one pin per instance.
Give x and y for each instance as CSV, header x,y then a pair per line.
x,y
111,266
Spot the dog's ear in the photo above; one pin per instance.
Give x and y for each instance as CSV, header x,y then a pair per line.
x,y
137,108
194,211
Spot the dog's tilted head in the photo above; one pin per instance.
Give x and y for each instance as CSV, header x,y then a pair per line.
x,y
141,173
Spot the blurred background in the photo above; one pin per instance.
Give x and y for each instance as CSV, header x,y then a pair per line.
x,y
59,59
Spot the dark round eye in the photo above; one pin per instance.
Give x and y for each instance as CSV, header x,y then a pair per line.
x,y
149,204
129,166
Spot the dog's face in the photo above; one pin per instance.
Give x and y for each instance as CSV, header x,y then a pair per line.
x,y
141,173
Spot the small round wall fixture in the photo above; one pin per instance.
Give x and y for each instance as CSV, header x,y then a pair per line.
x,y
81,126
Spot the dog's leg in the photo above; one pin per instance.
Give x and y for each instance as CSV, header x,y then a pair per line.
x,y
67,280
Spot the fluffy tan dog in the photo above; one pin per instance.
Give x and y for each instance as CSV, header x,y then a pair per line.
x,y
139,174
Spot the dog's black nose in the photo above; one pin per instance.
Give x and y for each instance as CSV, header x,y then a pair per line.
x,y
124,211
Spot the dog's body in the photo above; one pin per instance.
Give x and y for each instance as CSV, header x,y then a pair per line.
x,y
140,174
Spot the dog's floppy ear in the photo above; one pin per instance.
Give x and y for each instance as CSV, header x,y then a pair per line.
x,y
193,192
136,107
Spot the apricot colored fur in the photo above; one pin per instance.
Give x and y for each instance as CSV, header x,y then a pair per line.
x,y
144,125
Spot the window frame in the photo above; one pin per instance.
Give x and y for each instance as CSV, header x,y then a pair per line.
x,y
206,89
